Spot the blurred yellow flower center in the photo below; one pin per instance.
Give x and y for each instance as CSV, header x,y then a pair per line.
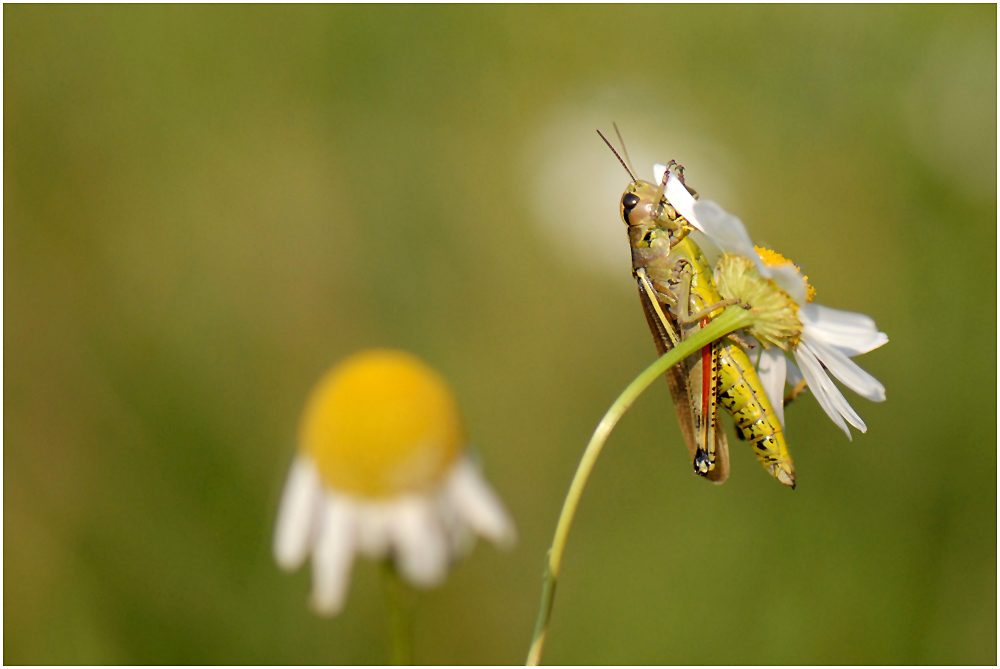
x,y
382,423
773,259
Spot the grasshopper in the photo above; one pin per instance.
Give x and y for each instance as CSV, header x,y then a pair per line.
x,y
679,297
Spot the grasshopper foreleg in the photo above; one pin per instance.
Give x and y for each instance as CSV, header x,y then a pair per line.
x,y
678,169
655,297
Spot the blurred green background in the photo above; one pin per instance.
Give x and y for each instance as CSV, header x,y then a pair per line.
x,y
207,207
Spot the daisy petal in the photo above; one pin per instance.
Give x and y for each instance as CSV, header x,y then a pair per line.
x,y
422,547
772,378
845,369
814,374
728,232
658,170
834,395
374,529
792,375
790,280
296,515
461,538
480,507
838,319
333,556
851,332
681,199
859,348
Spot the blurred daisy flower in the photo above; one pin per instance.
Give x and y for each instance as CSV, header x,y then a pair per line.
x,y
820,339
381,471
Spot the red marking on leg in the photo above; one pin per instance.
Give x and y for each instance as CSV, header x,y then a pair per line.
x,y
706,376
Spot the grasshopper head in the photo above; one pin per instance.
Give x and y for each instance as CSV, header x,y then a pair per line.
x,y
644,204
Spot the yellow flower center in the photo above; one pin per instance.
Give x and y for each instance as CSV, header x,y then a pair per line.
x,y
773,259
382,423
775,313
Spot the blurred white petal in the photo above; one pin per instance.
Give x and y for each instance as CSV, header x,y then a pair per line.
x,y
333,556
294,528
461,538
374,528
423,533
772,378
480,507
422,554
845,369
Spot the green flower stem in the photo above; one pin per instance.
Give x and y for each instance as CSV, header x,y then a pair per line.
x,y
399,616
731,319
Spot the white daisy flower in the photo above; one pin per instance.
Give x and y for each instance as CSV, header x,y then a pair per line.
x,y
381,471
820,339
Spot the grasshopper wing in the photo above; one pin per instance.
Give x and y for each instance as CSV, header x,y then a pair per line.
x,y
690,402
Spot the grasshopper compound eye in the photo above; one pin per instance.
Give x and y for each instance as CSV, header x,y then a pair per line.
x,y
629,200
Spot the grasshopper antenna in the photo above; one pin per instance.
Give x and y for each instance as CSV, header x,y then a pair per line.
x,y
624,148
610,146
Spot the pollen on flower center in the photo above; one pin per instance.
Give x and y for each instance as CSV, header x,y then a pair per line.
x,y
382,423
774,259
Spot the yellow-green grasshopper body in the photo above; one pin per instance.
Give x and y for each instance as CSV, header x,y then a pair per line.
x,y
678,297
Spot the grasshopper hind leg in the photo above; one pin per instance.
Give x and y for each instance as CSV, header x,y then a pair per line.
x,y
721,471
